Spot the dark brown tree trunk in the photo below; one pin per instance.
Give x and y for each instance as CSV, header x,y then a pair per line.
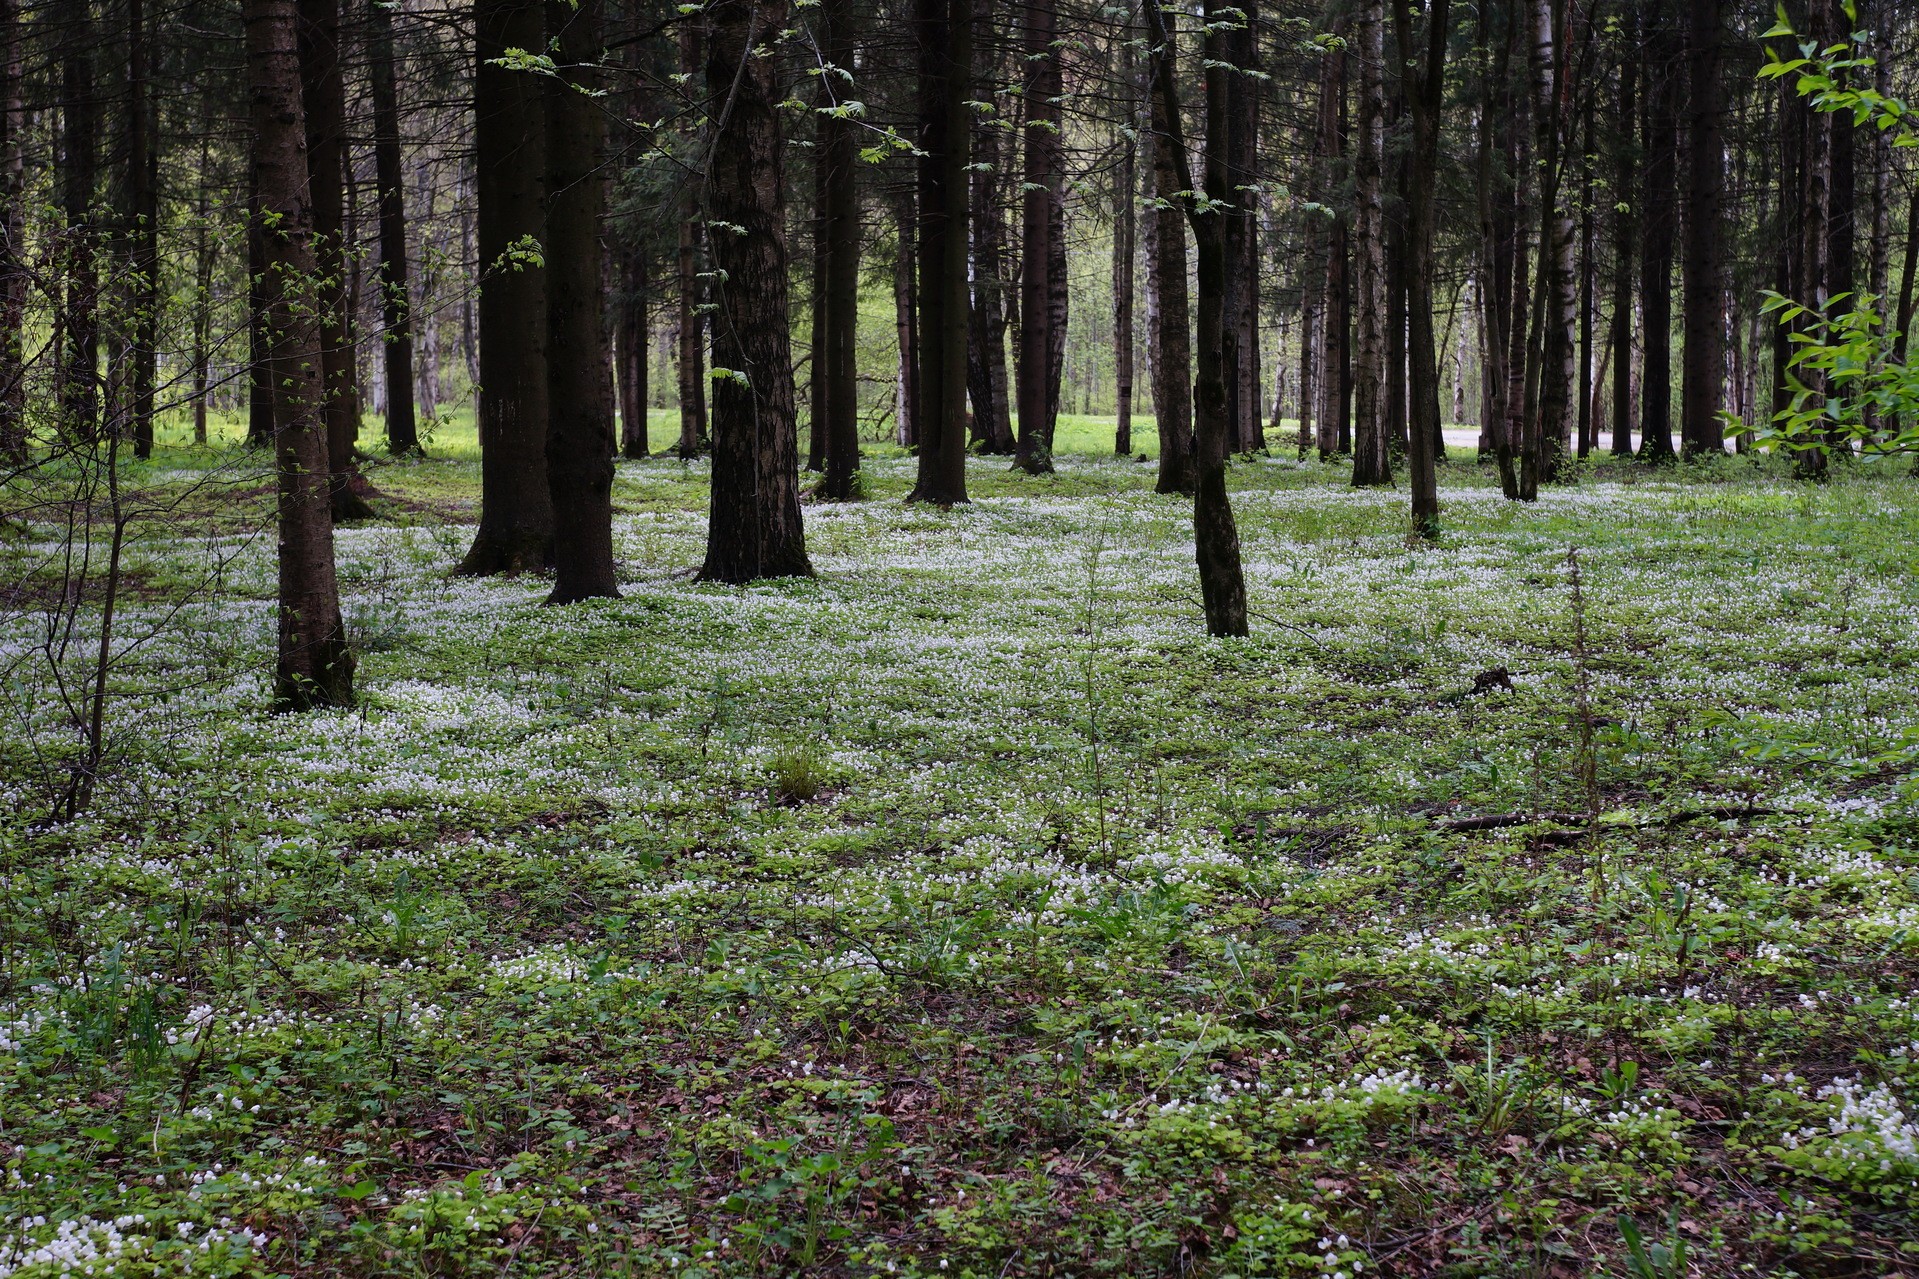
x,y
986,375
945,30
632,343
143,226
1656,242
1125,220
1238,41
1583,384
579,386
315,665
323,89
754,530
1548,433
1372,433
1172,318
259,385
1424,98
396,305
1038,387
13,265
1704,361
1625,184
834,360
1499,219
78,174
1222,582
205,256
906,316
516,510
692,322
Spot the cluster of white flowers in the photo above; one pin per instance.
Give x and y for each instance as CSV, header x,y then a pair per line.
x,y
76,1245
1866,1127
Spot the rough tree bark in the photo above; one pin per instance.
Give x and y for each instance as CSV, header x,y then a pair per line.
x,y
516,511
579,383
1172,315
692,323
13,266
314,666
1424,98
754,530
1222,582
834,359
389,186
1704,361
323,91
1548,432
1125,220
1656,236
143,226
79,320
945,31
1037,393
1625,179
986,374
1372,436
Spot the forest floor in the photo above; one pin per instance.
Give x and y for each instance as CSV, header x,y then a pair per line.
x,y
965,911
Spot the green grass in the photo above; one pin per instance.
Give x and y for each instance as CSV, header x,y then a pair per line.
x,y
965,911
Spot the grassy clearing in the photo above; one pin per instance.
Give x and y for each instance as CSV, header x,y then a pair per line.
x,y
964,911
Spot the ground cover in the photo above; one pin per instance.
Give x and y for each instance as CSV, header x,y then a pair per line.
x,y
965,911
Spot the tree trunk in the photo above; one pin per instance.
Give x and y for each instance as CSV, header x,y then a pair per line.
x,y
13,265
516,510
323,90
1704,361
834,360
396,305
906,317
79,319
632,344
579,388
1624,201
945,29
754,530
205,255
692,323
314,666
1548,432
1172,319
1037,384
1124,248
1372,465
143,226
1240,39
1656,230
1222,582
986,336
1425,98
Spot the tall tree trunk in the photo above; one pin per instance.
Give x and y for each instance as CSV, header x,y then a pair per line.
x,y
1583,384
1425,97
1548,432
143,226
259,375
834,360
323,90
1125,220
755,529
1625,195
78,174
205,256
986,375
1372,433
1704,361
396,303
632,345
1237,44
579,387
509,146
1037,385
692,323
1172,318
1222,582
1498,191
1656,231
314,665
945,29
13,264
906,316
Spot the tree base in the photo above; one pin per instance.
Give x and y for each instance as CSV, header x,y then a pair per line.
x,y
317,677
496,555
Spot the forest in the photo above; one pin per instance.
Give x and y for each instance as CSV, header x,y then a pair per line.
x,y
1197,638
